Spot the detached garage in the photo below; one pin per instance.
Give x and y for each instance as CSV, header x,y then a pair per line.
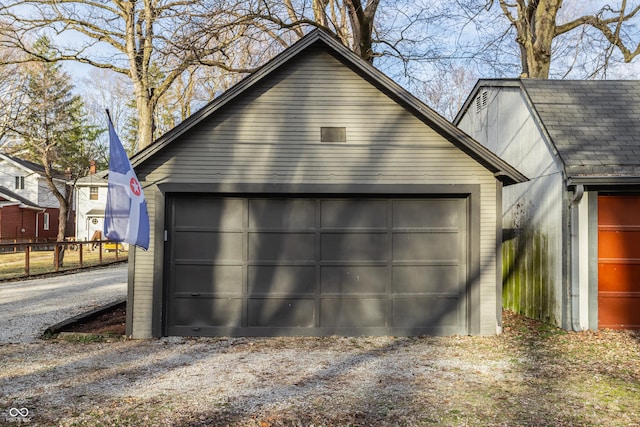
x,y
317,197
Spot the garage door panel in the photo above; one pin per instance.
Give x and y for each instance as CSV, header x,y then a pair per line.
x,y
282,246
425,312
353,312
619,276
353,279
210,278
619,243
354,247
199,312
352,214
293,280
426,246
208,245
426,279
618,210
209,212
619,311
282,214
427,213
281,312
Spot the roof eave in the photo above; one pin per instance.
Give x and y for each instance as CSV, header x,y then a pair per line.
x,y
604,180
34,208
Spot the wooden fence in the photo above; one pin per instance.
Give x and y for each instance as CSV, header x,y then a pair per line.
x,y
30,259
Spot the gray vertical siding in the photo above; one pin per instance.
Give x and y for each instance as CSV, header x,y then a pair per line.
x,y
532,211
271,135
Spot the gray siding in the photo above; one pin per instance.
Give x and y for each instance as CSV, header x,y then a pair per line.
x,y
532,211
272,136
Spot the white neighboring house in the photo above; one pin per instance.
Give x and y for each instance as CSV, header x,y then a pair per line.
x,y
90,202
28,208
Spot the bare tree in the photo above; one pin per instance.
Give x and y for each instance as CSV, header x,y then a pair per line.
x,y
11,95
100,89
401,29
10,99
168,42
447,89
593,31
153,43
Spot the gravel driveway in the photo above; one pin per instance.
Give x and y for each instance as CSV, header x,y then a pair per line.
x,y
29,307
532,375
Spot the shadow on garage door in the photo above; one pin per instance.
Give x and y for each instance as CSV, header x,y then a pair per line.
x,y
268,266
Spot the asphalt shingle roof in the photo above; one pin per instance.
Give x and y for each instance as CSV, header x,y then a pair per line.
x,y
13,196
32,166
97,178
595,125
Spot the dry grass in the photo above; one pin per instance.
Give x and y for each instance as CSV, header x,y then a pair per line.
x,y
12,265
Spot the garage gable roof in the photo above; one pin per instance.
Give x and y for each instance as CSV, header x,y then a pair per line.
x,y
592,124
501,169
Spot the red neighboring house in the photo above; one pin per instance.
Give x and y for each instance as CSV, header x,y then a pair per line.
x,y
28,209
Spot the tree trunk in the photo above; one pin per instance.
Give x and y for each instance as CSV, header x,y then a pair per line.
x,y
319,15
362,27
62,229
138,46
535,25
64,201
545,31
145,106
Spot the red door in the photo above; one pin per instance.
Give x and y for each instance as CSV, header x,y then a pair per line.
x,y
619,262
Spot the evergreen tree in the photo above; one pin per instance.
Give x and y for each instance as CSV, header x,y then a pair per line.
x,y
52,126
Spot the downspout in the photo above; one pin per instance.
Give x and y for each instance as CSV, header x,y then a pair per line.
x,y
578,192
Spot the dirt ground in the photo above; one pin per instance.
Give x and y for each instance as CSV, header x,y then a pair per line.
x,y
531,375
112,322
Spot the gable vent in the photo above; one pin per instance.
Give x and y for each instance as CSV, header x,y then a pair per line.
x,y
333,134
481,101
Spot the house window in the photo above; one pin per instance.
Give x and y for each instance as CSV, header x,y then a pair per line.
x,y
19,182
93,193
45,222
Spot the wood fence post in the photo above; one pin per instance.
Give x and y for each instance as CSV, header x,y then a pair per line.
x,y
27,251
56,260
80,254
